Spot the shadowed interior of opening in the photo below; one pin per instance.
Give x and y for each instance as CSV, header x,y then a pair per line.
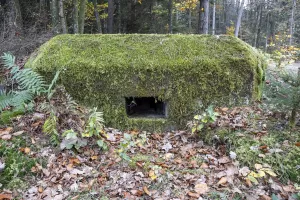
x,y
145,107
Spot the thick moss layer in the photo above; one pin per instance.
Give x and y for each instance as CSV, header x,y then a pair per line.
x,y
182,70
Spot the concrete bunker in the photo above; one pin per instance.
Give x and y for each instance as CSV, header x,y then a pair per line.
x,y
152,82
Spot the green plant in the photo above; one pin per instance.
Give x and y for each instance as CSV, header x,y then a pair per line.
x,y
71,140
94,127
283,92
50,128
17,164
25,85
202,121
125,144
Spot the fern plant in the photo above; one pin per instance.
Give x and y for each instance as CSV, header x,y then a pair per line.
x,y
26,84
50,128
94,127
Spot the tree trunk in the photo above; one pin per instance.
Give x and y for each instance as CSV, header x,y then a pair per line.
x,y
54,15
206,16
257,31
190,19
75,16
81,16
119,17
15,18
292,22
98,22
201,17
110,25
214,18
170,10
239,19
267,33
43,14
62,20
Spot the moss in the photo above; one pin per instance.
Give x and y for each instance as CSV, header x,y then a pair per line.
x,y
6,116
182,70
17,164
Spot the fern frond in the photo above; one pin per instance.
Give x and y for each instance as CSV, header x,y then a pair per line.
x,y
50,125
8,60
21,97
30,80
5,100
53,82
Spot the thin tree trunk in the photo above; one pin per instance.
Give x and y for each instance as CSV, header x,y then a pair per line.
x,y
292,23
63,23
110,22
239,19
81,16
54,15
206,16
75,16
214,18
98,22
256,35
201,17
120,16
15,18
170,9
43,14
190,19
267,33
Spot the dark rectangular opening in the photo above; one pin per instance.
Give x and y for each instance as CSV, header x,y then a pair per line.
x,y
145,107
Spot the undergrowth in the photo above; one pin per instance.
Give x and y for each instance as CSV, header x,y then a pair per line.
x,y
277,149
17,164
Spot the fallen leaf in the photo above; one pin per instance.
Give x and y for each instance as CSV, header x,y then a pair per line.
x,y
6,137
5,196
94,157
265,197
258,166
193,194
244,171
146,191
152,175
248,182
74,161
40,189
222,181
297,144
18,133
27,150
204,166
224,160
201,188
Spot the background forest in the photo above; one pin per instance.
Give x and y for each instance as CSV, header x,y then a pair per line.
x,y
263,23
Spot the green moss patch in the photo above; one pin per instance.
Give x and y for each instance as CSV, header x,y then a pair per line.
x,y
185,71
17,164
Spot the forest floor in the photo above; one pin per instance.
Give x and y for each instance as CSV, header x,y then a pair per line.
x,y
249,153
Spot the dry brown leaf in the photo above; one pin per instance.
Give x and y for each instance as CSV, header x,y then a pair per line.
x,y
74,161
201,188
94,157
18,133
222,181
265,197
248,182
40,189
193,194
5,196
27,150
6,137
146,190
204,166
297,144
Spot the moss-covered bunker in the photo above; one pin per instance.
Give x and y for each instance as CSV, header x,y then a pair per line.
x,y
183,71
